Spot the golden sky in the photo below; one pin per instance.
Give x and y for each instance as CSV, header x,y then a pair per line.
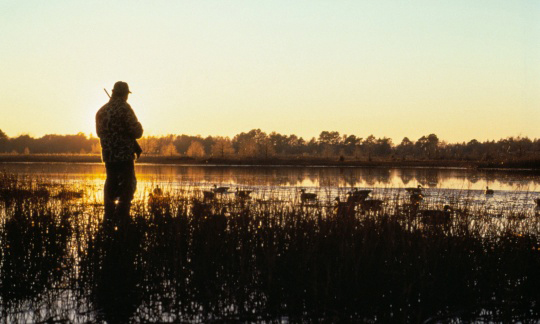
x,y
461,69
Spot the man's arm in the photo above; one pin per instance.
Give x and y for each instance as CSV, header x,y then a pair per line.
x,y
99,124
134,128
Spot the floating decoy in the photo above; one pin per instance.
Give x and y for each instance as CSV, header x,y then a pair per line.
x,y
220,190
157,199
489,191
371,205
363,192
66,194
355,198
242,194
343,208
208,195
305,196
416,190
157,191
357,195
416,198
435,216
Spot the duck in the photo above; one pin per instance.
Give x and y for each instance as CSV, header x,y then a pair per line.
x,y
242,194
435,216
305,196
363,192
208,195
157,191
417,190
220,190
371,205
343,208
357,195
537,201
489,191
416,198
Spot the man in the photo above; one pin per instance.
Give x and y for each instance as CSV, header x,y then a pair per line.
x,y
118,128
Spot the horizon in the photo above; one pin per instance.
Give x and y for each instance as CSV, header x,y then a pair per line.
x,y
395,142
459,70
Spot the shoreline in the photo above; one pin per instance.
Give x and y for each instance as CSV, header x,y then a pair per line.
x,y
526,165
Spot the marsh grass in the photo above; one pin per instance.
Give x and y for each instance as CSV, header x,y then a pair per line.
x,y
268,258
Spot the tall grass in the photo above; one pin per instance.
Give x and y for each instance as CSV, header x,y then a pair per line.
x,y
181,258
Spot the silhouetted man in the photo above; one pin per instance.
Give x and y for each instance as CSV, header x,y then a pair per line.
x,y
118,128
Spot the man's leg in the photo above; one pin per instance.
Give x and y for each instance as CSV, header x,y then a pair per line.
x,y
127,187
111,189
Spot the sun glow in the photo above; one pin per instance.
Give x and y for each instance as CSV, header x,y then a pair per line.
x,y
359,68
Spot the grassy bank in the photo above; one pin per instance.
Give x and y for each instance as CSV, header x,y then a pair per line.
x,y
180,258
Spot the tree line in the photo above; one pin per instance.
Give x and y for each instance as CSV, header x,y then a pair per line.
x,y
258,144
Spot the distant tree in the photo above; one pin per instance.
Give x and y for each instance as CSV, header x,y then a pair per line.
x,y
279,142
312,146
169,149
3,141
350,143
329,138
405,148
428,145
368,145
247,147
196,149
383,147
253,143
150,145
266,148
96,149
222,147
182,143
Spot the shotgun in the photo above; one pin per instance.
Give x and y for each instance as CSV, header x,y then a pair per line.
x,y
138,149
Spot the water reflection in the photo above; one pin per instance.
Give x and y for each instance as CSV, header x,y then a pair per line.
x,y
185,259
33,253
285,176
113,270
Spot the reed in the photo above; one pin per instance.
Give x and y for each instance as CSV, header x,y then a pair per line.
x,y
181,258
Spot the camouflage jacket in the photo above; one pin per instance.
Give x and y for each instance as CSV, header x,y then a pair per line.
x,y
117,128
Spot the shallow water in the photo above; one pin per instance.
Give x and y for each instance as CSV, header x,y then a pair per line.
x,y
192,269
513,189
290,176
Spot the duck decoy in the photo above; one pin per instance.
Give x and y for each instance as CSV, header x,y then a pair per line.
x,y
306,196
343,209
242,194
489,191
220,190
208,195
157,191
363,192
357,195
435,216
416,198
371,205
416,190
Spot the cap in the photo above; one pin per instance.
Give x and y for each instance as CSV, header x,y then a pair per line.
x,y
121,87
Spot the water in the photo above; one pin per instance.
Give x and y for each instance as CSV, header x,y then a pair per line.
x,y
513,189
289,176
62,264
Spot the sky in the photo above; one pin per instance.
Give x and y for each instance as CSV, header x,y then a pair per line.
x,y
460,69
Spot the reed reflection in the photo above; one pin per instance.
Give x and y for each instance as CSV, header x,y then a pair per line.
x,y
34,252
111,270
